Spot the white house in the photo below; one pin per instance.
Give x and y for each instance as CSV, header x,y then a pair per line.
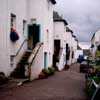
x,y
42,12
11,17
65,43
95,41
69,42
59,57
83,49
72,44
32,22
78,52
74,48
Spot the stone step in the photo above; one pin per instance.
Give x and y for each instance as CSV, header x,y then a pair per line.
x,y
18,81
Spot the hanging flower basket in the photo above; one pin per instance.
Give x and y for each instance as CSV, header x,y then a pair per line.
x,y
14,35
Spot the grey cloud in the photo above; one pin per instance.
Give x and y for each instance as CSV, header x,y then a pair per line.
x,y
83,16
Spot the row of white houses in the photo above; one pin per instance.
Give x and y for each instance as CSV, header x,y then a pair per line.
x,y
65,43
95,41
33,37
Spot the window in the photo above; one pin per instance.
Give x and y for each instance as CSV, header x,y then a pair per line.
x,y
12,61
47,36
45,59
24,26
13,21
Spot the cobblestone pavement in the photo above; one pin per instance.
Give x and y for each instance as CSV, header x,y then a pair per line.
x,y
64,85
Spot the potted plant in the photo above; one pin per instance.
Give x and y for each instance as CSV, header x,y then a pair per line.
x,y
42,75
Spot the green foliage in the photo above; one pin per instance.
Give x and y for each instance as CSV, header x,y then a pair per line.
x,y
96,75
90,86
97,57
97,68
51,69
97,54
46,71
96,79
90,90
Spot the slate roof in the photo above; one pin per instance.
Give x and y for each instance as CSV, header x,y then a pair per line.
x,y
57,17
78,47
74,36
76,40
68,30
53,1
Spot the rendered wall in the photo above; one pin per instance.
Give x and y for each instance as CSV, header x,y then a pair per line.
x,y
42,11
4,52
7,47
36,66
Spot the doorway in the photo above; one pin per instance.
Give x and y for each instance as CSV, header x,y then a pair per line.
x,y
45,60
33,36
56,47
56,52
67,52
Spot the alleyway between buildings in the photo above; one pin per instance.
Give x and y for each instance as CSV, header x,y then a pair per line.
x,y
64,85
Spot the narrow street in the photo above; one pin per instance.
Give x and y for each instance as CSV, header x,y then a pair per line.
x,y
64,85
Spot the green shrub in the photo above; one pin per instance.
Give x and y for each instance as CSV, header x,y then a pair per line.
x,y
49,71
90,87
52,70
96,79
91,90
97,68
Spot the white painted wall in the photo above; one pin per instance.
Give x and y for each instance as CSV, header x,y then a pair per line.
x,y
69,41
4,52
42,11
60,34
95,41
97,36
78,52
18,9
74,46
36,65
69,38
62,61
7,48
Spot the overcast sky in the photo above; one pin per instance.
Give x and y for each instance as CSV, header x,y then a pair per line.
x,y
83,16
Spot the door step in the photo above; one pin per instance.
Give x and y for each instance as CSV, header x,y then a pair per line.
x,y
29,51
19,82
